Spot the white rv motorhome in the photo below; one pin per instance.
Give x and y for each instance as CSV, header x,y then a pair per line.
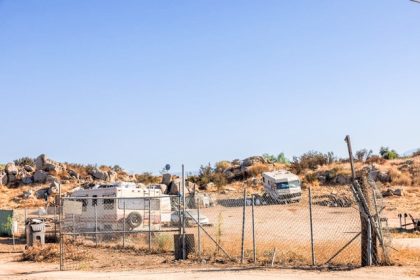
x,y
106,205
282,186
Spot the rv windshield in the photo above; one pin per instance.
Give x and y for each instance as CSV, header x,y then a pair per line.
x,y
288,185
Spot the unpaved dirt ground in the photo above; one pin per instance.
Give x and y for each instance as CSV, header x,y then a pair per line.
x,y
10,269
108,266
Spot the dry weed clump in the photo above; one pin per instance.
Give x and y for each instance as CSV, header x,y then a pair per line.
x,y
257,169
51,253
400,178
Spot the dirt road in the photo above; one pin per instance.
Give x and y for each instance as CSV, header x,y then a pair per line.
x,y
13,270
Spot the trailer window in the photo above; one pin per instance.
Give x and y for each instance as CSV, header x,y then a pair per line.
x,y
94,200
109,204
84,204
288,185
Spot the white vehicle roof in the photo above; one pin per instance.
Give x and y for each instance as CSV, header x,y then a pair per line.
x,y
119,189
280,176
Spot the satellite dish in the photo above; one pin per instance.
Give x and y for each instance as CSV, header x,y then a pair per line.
x,y
167,167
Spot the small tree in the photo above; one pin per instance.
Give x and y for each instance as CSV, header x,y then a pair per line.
x,y
387,153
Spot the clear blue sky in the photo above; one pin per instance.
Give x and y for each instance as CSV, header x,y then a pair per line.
x,y
143,83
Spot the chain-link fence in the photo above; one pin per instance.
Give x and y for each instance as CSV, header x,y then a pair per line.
x,y
282,232
318,227
136,223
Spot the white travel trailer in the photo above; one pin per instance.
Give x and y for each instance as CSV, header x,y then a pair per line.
x,y
282,186
106,207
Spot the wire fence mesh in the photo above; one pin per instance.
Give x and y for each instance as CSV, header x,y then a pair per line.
x,y
237,227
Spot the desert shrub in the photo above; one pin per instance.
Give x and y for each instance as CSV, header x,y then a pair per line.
x,y
219,179
147,178
375,159
310,177
387,153
90,168
280,158
2,167
257,169
363,154
222,165
311,160
204,174
24,161
117,168
208,174
105,167
163,242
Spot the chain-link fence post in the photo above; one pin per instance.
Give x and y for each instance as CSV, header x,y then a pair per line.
x,y
124,225
150,227
243,228
96,225
60,211
311,226
198,231
254,249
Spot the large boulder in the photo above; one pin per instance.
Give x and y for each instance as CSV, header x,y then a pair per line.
x,y
27,194
342,179
54,188
3,178
50,179
252,160
40,176
28,168
383,177
166,178
42,162
11,179
99,174
112,176
27,180
11,169
73,174
387,193
398,192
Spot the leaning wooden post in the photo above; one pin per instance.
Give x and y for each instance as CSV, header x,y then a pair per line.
x,y
363,214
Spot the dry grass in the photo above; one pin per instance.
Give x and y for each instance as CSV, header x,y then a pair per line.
x,y
257,169
405,256
400,178
51,253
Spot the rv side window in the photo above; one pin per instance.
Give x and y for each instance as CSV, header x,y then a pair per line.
x,y
94,201
109,204
84,204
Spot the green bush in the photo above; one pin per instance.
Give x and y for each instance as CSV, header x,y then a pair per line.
x,y
280,158
387,153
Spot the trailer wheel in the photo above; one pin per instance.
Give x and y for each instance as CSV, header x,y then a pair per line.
x,y
134,220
